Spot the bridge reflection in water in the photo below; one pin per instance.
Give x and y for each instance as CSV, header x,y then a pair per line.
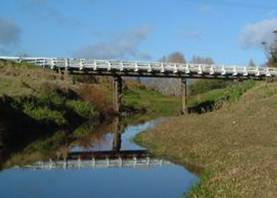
x,y
97,162
99,158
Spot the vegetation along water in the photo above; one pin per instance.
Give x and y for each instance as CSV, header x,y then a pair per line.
x,y
228,139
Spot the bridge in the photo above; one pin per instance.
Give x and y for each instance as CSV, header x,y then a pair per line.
x,y
118,69
101,159
149,69
99,163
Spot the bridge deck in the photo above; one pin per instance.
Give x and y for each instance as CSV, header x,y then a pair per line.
x,y
149,69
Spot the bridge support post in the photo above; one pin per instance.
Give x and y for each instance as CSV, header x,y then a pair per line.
x,y
66,71
116,135
184,95
117,93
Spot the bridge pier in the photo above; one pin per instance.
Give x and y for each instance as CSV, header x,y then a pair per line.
x,y
116,135
117,93
66,71
184,96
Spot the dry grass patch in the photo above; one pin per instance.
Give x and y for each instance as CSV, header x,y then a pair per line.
x,y
237,145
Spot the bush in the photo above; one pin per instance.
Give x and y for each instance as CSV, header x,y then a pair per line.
x,y
202,86
234,92
214,99
84,109
44,114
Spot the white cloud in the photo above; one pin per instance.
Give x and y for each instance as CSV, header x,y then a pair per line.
x,y
9,32
9,35
123,46
254,34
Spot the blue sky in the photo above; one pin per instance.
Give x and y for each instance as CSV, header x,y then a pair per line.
x,y
229,31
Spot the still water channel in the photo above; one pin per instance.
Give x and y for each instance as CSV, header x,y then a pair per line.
x,y
104,163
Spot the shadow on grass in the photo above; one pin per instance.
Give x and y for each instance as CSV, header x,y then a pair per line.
x,y
204,107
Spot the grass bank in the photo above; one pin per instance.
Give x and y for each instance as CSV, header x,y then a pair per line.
x,y
43,95
236,145
214,99
49,97
150,102
36,105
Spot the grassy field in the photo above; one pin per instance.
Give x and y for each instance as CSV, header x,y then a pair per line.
x,y
235,147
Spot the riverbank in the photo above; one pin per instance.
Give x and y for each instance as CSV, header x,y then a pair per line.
x,y
236,145
40,105
56,99
166,179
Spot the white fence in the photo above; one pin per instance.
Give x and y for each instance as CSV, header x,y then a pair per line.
x,y
139,67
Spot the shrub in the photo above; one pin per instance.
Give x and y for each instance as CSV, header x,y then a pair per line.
x,y
202,86
215,98
84,109
234,92
44,114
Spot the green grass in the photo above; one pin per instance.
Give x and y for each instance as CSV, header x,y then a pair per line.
x,y
13,87
152,102
53,108
202,86
213,95
82,108
42,94
85,129
44,114
218,97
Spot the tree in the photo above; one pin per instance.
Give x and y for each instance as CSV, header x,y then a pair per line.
x,y
168,86
176,57
202,60
271,51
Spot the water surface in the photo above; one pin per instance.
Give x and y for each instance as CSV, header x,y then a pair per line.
x,y
167,180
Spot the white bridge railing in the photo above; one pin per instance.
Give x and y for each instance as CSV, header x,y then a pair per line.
x,y
145,68
98,163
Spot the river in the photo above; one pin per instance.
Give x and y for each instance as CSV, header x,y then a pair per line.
x,y
102,162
